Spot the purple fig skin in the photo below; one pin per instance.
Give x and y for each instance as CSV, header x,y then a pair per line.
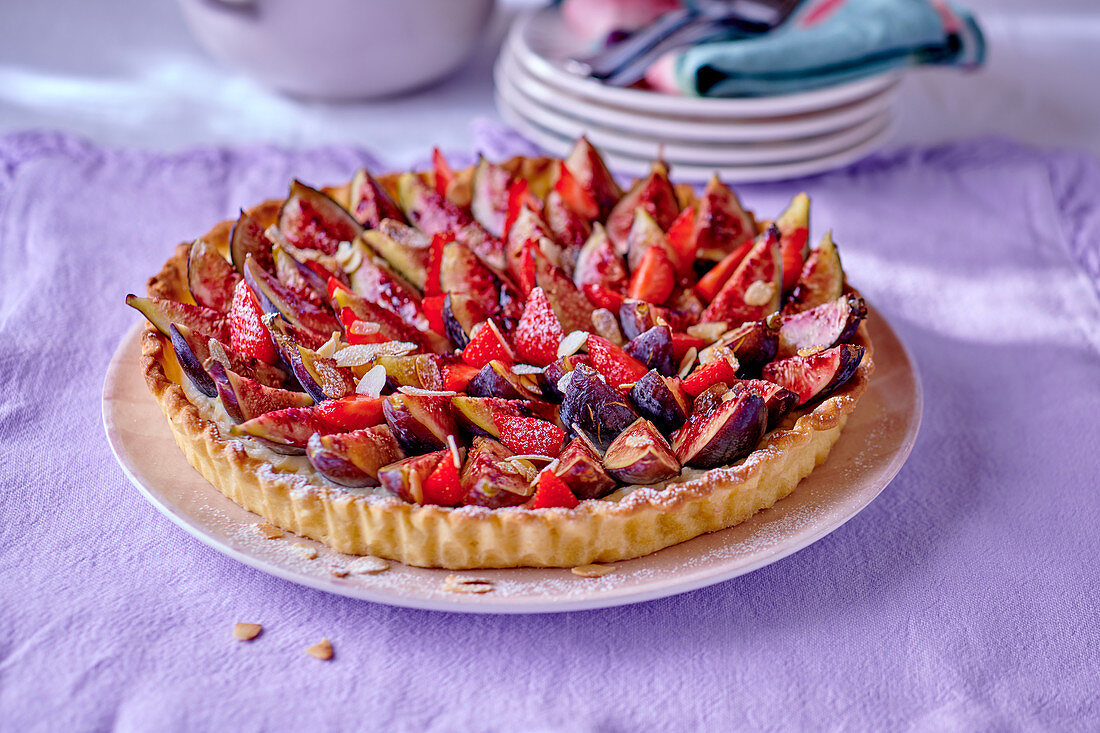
x,y
778,400
226,393
205,348
817,376
475,414
370,203
581,469
244,398
595,408
725,435
311,219
191,364
460,314
210,278
636,318
754,344
248,238
278,298
488,480
640,455
552,373
406,477
354,458
496,379
420,423
654,349
654,398
823,326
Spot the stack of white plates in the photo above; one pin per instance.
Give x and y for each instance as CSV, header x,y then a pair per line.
x,y
743,140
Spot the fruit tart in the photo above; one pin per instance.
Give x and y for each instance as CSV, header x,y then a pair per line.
x,y
512,364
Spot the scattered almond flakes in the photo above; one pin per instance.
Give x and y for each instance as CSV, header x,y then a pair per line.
x,y
329,347
759,293
372,382
307,552
593,570
688,362
246,632
321,650
338,571
268,531
461,584
364,354
572,343
710,331
367,565
811,350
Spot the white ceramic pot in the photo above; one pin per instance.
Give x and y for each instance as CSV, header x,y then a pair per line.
x,y
340,49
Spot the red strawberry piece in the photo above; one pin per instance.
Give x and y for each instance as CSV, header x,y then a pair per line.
x,y
681,342
519,197
617,366
353,412
681,237
444,175
456,376
486,345
654,279
357,331
433,311
794,250
443,485
530,435
435,263
753,290
601,297
527,277
538,332
552,492
247,332
709,284
574,195
717,371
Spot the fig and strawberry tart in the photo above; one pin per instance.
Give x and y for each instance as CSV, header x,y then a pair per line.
x,y
512,364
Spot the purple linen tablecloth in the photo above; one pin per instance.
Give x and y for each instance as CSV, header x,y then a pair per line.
x,y
967,597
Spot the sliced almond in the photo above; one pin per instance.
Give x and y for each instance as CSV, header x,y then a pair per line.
x,y
363,354
406,389
338,571
306,552
688,362
593,570
269,531
710,331
811,350
525,369
372,382
572,343
246,632
329,347
427,371
759,293
563,382
463,584
321,650
456,456
367,565
523,467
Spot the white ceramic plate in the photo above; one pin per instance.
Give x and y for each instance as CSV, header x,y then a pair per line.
x,y
633,165
871,450
541,42
713,153
686,127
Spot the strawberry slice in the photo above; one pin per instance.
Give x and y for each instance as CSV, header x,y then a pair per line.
x,y
519,197
681,237
709,284
433,311
575,196
717,371
357,331
486,345
527,274
444,174
552,492
529,435
353,412
654,279
443,485
753,290
435,263
456,376
539,331
601,297
794,250
617,366
247,332
681,342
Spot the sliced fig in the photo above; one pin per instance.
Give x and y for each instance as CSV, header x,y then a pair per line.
x,y
794,238
405,248
370,203
496,379
721,223
640,455
209,277
285,431
822,326
778,400
821,280
653,348
724,435
244,398
599,264
421,423
754,344
572,307
190,362
528,230
355,458
655,194
662,400
636,318
391,326
475,414
163,312
311,219
490,480
298,277
554,371
205,349
406,478
588,168
377,283
419,370
460,314
644,234
462,272
816,376
489,202
426,209
592,406
569,228
275,297
754,288
326,379
248,238
580,467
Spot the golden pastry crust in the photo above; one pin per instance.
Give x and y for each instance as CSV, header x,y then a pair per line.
x,y
596,531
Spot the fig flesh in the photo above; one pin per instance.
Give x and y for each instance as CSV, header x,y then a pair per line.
x,y
421,423
406,478
190,362
490,480
244,398
580,467
310,219
662,400
595,408
248,238
721,223
489,202
163,312
405,248
275,297
210,278
475,414
355,458
588,168
496,379
205,349
724,435
822,326
778,400
644,234
599,264
818,375
655,195
640,455
821,280
754,288
370,203
377,283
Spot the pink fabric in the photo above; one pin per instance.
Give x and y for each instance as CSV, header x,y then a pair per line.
x,y
964,598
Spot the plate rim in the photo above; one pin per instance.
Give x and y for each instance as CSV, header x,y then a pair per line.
x,y
769,106
629,595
